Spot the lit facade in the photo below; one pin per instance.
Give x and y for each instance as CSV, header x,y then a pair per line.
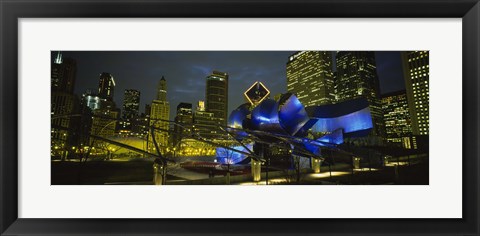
x,y
131,104
184,118
310,77
159,115
64,104
140,125
357,77
416,75
396,115
106,86
205,124
216,95
63,74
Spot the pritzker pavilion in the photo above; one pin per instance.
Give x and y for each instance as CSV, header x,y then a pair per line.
x,y
263,123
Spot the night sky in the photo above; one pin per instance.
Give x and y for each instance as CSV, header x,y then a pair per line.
x,y
185,72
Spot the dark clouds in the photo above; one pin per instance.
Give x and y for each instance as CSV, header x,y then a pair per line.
x,y
185,72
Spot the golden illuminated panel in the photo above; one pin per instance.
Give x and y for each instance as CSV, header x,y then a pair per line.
x,y
256,93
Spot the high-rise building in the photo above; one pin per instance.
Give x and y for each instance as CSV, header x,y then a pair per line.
x,y
159,115
397,120
184,122
205,125
106,86
131,104
105,122
63,74
140,125
62,108
310,77
217,96
64,105
416,75
357,77
162,90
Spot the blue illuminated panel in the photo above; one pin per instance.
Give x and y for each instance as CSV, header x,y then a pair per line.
x,y
265,117
292,114
336,137
226,156
236,118
353,122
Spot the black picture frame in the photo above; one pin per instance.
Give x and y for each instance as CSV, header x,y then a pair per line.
x,y
11,11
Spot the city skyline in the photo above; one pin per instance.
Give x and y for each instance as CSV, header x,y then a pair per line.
x,y
186,72
331,110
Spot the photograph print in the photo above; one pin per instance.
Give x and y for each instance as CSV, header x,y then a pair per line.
x,y
239,118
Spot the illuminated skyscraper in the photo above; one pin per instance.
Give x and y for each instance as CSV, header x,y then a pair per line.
x,y
205,125
217,96
131,104
310,77
184,118
159,115
162,89
63,74
398,127
416,75
357,77
64,104
106,86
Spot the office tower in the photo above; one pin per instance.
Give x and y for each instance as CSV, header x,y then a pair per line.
x,y
357,77
310,77
63,74
162,90
108,110
184,123
217,96
106,86
416,75
205,125
159,115
398,129
64,105
140,125
131,104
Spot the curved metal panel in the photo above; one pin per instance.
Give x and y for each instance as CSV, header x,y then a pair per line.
x,y
292,114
